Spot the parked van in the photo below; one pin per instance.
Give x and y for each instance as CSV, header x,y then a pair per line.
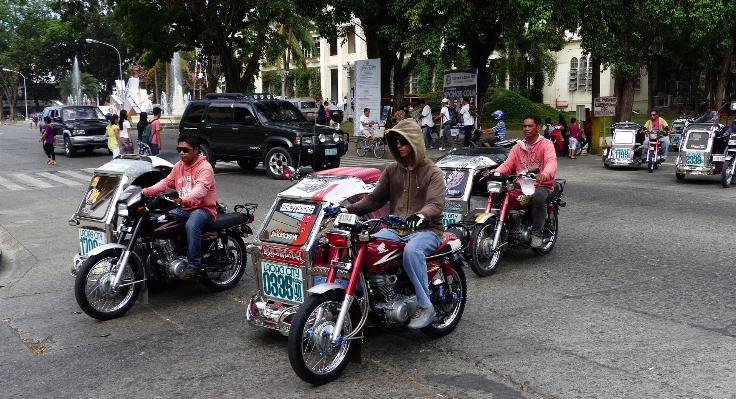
x,y
308,106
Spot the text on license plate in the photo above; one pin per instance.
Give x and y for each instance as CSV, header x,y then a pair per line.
x,y
282,281
89,240
622,153
674,138
719,158
449,218
100,138
693,158
330,151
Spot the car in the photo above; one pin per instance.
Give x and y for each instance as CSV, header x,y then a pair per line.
x,y
77,127
257,128
308,106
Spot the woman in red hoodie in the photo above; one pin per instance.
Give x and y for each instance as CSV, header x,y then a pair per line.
x,y
194,179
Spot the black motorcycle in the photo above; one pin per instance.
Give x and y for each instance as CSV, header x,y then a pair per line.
x,y
151,244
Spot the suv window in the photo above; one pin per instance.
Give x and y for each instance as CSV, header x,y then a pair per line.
x,y
74,113
196,112
280,111
240,114
219,114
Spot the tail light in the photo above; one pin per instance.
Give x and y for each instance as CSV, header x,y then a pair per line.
x,y
338,239
251,218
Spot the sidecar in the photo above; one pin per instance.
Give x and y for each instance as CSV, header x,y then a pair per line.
x,y
678,126
289,255
700,153
96,216
626,140
462,168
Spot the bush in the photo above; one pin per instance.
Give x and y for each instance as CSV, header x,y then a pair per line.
x,y
514,106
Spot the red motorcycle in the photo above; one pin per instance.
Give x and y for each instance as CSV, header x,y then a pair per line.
x,y
327,330
652,154
507,221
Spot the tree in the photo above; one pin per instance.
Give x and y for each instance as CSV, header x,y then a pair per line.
x,y
89,85
293,39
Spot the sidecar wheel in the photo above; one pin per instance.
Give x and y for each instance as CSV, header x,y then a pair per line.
x,y
484,260
450,312
93,286
680,176
311,354
220,277
727,174
550,236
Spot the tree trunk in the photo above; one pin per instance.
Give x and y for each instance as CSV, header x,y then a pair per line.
x,y
626,101
286,62
723,75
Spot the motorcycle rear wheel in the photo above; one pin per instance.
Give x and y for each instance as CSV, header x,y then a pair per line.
x,y
484,261
93,286
311,354
550,235
450,312
223,277
727,174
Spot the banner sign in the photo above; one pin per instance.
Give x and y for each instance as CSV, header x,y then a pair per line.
x,y
460,83
604,106
367,84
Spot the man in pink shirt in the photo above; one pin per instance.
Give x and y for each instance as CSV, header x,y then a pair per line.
x,y
537,151
194,179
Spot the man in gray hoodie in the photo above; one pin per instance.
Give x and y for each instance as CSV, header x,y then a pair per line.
x,y
414,187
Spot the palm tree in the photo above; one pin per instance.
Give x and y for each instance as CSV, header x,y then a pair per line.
x,y
294,38
89,84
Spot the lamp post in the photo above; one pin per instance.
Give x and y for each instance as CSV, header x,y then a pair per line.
x,y
25,93
283,73
349,68
120,62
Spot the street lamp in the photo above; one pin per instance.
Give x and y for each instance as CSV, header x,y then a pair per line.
x,y
25,93
283,73
349,68
120,62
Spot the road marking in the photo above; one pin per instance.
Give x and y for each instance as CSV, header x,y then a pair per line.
x,y
10,185
31,180
76,175
59,179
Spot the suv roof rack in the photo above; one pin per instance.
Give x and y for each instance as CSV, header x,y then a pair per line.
x,y
239,96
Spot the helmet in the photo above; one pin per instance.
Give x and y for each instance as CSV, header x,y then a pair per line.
x,y
498,114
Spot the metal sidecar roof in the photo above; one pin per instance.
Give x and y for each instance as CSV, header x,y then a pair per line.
x,y
134,166
474,161
334,185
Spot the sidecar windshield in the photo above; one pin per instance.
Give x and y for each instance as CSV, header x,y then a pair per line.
x,y
697,141
291,222
99,196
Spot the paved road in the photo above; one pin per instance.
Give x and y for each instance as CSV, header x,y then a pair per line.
x,y
635,301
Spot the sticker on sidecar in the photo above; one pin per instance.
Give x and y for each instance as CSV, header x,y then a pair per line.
x,y
282,281
449,218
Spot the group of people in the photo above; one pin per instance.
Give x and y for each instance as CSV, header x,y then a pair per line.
x,y
465,114
119,138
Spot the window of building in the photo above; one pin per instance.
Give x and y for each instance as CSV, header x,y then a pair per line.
x,y
572,83
351,40
317,46
574,63
414,85
333,47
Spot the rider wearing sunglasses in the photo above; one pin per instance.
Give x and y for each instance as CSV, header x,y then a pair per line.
x,y
194,179
414,187
656,122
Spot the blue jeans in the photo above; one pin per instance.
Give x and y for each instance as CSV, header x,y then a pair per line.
x,y
662,142
126,147
428,140
418,245
197,219
154,148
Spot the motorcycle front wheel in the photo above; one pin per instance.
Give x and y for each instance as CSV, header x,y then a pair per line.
x,y
94,290
550,235
313,357
650,163
485,260
227,264
727,173
451,310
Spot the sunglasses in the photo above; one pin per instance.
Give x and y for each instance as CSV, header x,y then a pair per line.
x,y
402,141
183,149
652,114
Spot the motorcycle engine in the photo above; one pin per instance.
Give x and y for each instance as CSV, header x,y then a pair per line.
x,y
391,306
165,248
519,227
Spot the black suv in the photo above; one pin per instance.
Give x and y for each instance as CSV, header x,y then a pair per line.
x,y
77,126
255,128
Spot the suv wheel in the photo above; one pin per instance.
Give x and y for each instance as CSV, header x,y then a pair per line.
x,y
247,165
68,148
276,159
205,150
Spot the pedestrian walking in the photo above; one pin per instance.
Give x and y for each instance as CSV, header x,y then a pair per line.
x,y
143,147
468,120
445,131
126,146
427,124
155,144
575,135
112,132
48,137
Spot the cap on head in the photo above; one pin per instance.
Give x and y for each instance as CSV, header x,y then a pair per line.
x,y
445,101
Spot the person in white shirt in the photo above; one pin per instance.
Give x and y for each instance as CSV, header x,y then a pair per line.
x,y
427,124
468,120
365,125
445,132
126,146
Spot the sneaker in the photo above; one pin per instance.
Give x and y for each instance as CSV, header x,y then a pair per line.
x,y
454,148
432,147
422,317
537,241
188,273
441,148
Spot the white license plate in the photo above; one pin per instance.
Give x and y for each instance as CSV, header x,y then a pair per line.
x,y
622,153
282,282
674,139
330,151
100,138
693,158
89,240
719,158
449,218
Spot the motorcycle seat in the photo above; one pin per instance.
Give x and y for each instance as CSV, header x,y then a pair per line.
x,y
557,190
450,241
225,220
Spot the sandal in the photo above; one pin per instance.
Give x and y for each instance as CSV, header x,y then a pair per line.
x,y
48,162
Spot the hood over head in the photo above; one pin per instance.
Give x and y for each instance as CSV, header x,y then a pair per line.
x,y
410,130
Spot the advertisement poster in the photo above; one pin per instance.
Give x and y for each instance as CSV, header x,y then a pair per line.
x,y
367,83
460,83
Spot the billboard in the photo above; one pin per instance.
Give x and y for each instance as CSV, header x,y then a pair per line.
x,y
459,83
367,84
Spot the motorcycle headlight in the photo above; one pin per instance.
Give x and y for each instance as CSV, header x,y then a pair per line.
x,y
494,187
336,137
732,142
322,138
652,136
307,140
123,209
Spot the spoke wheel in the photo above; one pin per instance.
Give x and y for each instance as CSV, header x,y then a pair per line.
x,y
227,264
379,148
550,235
314,358
360,147
93,287
449,311
485,260
727,174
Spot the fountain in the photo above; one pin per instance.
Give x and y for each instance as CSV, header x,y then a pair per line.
x,y
75,95
176,102
164,104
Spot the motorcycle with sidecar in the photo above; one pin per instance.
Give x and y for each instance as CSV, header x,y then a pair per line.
x,y
678,127
625,147
704,151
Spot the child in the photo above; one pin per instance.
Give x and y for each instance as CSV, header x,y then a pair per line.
x,y
112,132
575,135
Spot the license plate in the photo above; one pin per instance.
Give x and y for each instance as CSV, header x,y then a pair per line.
x,y
100,138
693,158
622,153
719,158
323,279
282,281
449,218
330,151
89,240
674,139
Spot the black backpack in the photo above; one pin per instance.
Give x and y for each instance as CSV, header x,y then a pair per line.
x,y
453,115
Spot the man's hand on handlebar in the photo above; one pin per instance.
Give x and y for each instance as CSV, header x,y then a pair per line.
x,y
541,178
334,211
415,221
